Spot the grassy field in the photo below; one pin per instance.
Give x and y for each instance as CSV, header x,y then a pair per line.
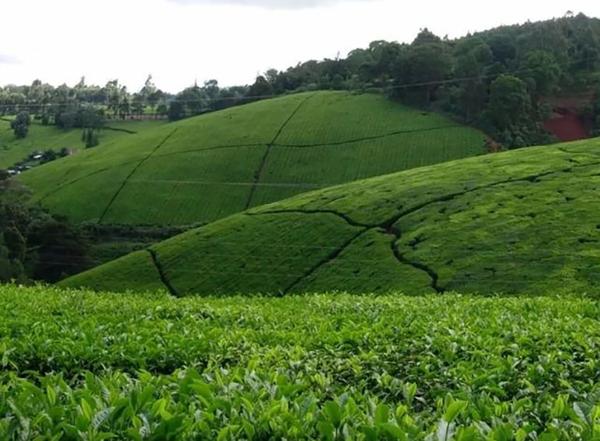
x,y
206,168
518,222
41,138
79,365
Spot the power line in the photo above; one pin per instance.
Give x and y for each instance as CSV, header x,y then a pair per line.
x,y
290,93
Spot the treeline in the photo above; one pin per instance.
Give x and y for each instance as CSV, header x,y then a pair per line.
x,y
112,100
496,80
86,106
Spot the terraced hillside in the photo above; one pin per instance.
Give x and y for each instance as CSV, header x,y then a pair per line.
x,y
208,167
41,138
518,222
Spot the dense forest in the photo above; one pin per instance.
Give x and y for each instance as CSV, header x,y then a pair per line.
x,y
35,245
497,80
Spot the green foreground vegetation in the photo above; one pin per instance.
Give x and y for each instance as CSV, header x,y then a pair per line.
x,y
517,222
78,365
205,168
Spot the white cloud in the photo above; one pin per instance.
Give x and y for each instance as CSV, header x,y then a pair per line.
x,y
270,4
8,59
129,39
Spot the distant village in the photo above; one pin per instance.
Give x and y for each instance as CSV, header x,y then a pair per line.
x,y
38,157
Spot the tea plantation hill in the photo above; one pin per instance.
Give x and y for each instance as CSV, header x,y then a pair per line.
x,y
518,222
208,167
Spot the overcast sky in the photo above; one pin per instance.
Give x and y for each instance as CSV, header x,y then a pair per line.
x,y
178,41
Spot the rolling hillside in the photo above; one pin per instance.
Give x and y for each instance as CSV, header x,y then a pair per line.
x,y
518,222
208,167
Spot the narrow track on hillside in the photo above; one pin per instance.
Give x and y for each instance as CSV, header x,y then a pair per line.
x,y
210,149
589,154
368,138
391,228
124,183
263,162
329,258
335,253
339,214
316,145
450,196
95,172
81,178
433,275
161,273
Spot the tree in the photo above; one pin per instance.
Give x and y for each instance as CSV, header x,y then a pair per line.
x,y
378,68
424,65
193,100
162,109
66,120
510,103
115,94
60,249
124,107
425,36
271,76
503,47
148,90
138,104
472,58
80,118
48,156
155,97
542,72
90,118
90,138
595,114
510,113
20,124
10,269
176,110
211,89
260,89
15,243
35,244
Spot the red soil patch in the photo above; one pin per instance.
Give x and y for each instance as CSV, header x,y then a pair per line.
x,y
566,126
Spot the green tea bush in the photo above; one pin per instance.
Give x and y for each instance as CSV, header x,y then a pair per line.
x,y
77,365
